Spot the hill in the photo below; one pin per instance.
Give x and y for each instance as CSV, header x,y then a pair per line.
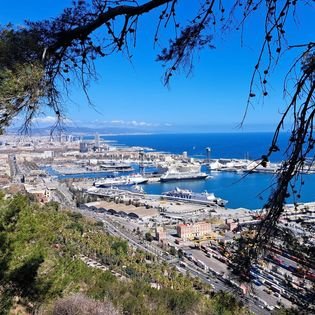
x,y
45,255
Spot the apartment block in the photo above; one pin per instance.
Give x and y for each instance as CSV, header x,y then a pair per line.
x,y
192,231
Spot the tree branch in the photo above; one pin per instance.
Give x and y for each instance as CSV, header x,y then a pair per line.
x,y
66,37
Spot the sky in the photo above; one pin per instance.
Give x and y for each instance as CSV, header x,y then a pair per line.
x,y
212,98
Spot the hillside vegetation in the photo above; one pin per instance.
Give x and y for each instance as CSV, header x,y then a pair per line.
x,y
41,270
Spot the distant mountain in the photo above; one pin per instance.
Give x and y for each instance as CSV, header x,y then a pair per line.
x,y
88,130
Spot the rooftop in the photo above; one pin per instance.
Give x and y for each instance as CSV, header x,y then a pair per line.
x,y
122,209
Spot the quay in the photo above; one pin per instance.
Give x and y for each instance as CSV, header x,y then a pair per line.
x,y
250,166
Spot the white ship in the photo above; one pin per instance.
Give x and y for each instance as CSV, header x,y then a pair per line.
x,y
188,195
230,165
183,172
268,168
116,166
237,165
115,191
121,181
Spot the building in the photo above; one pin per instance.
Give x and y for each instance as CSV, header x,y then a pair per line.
x,y
160,233
193,231
97,141
128,211
40,194
84,147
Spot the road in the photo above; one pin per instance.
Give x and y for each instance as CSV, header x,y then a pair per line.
x,y
256,306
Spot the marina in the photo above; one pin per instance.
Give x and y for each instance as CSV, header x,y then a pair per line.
x,y
242,190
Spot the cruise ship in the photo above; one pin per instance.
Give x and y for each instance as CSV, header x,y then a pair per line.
x,y
188,195
116,166
183,172
121,181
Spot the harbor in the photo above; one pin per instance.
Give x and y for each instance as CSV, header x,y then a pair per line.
x,y
243,182
194,205
157,157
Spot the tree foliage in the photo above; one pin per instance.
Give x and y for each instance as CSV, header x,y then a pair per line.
x,y
41,269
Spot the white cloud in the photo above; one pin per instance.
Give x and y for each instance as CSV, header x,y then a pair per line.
x,y
140,123
118,122
49,120
134,123
44,120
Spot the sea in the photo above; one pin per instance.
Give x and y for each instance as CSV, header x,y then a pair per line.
x,y
223,145
249,191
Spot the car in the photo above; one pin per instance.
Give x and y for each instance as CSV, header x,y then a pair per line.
x,y
257,282
267,290
270,308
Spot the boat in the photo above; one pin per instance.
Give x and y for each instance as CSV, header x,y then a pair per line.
x,y
230,165
114,191
116,166
183,172
137,189
169,176
257,167
136,179
188,195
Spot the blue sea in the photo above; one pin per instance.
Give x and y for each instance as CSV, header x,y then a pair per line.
x,y
249,191
222,145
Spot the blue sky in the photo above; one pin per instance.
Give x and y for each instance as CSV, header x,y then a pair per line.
x,y
213,98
